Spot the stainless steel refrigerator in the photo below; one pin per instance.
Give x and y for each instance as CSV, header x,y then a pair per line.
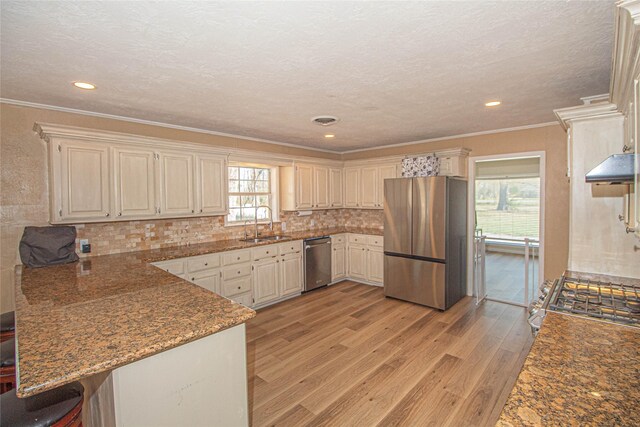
x,y
425,240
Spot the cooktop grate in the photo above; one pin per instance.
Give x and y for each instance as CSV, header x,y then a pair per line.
x,y
615,302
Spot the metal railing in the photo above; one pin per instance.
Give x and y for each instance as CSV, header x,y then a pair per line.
x,y
531,249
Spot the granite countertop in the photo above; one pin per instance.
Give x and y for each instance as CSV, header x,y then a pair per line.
x,y
80,319
579,372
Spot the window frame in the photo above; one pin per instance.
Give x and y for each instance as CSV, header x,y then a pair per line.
x,y
272,194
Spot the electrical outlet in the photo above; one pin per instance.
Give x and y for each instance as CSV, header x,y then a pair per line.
x,y
313,222
283,225
85,247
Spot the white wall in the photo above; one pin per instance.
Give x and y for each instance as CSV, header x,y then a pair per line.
x,y
598,242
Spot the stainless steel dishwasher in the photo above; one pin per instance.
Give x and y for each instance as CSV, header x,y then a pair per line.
x,y
317,262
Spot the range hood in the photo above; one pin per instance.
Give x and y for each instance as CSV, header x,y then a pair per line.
x,y
616,169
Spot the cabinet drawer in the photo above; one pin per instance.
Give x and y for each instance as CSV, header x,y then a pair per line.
x,y
174,267
375,241
236,257
338,239
235,287
262,252
203,262
236,271
358,238
290,247
244,299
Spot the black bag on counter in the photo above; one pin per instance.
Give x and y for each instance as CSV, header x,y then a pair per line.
x,y
43,246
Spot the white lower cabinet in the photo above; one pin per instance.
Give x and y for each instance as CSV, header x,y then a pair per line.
x,y
364,258
265,280
291,274
208,279
252,277
357,261
338,262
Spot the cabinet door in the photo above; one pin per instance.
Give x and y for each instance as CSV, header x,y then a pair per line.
x,y
176,184
209,280
135,182
369,187
358,262
304,187
84,174
290,274
321,186
265,281
335,188
338,262
375,265
384,172
211,178
351,187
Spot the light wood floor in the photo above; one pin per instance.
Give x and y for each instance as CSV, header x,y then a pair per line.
x,y
348,356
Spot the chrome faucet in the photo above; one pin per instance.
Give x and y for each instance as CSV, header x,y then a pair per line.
x,y
270,219
245,229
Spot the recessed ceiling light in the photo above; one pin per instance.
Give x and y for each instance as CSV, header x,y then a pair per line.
x,y
84,85
493,103
329,135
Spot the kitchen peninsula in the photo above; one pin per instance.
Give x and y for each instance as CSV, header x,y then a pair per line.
x,y
99,320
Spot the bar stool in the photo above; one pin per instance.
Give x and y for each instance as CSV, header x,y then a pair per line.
x,y
7,325
7,365
60,407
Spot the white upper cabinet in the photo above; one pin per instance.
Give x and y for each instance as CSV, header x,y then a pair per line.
x,y
135,186
335,188
176,184
304,187
385,172
369,187
82,190
211,178
321,187
351,187
364,186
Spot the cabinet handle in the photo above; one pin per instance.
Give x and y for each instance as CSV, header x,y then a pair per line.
x,y
193,279
239,287
206,264
629,230
238,272
107,214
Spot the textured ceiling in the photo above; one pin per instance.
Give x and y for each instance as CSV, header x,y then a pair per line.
x,y
392,71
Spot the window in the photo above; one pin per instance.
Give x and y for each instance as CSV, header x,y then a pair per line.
x,y
249,188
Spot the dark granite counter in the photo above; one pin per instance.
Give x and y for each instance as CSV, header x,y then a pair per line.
x,y
579,372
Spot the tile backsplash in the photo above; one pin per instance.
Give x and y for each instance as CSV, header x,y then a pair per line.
x,y
116,237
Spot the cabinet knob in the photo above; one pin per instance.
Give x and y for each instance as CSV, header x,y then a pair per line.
x,y
206,264
200,210
192,211
239,287
119,213
238,257
193,279
267,251
107,214
238,272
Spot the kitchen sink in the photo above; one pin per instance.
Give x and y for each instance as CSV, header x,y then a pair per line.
x,y
265,239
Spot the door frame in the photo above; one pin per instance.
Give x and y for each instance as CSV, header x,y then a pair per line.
x,y
471,205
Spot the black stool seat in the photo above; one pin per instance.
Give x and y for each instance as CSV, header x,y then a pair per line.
x,y
8,321
8,353
41,410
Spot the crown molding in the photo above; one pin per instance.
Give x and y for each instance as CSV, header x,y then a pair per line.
x,y
51,132
445,138
158,124
568,115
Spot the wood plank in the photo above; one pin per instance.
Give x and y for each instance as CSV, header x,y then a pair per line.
x,y
346,355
